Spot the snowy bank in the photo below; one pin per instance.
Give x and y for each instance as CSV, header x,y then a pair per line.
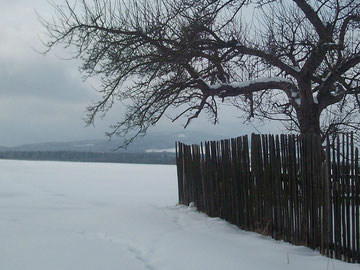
x,y
98,216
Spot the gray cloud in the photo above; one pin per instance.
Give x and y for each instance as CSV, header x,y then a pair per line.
x,y
44,98
40,79
41,98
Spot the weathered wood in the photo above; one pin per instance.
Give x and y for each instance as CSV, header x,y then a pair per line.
x,y
352,192
357,201
285,186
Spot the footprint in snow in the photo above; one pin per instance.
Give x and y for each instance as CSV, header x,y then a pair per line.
x,y
140,257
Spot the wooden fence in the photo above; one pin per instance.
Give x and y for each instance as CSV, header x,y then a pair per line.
x,y
289,187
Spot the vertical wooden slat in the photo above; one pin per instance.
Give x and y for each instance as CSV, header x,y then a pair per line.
x,y
344,199
347,198
329,201
352,193
357,214
293,189
248,183
285,187
267,188
300,191
337,210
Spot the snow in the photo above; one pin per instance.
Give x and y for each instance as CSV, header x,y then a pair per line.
x,y
168,150
98,216
84,145
316,101
298,101
249,82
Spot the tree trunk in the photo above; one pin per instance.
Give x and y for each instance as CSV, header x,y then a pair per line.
x,y
309,119
308,114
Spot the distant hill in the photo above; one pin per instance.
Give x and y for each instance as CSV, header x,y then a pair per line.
x,y
154,142
115,157
155,148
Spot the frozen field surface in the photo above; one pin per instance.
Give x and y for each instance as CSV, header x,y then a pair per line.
x,y
93,216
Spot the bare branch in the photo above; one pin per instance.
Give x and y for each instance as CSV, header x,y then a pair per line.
x,y
296,61
313,17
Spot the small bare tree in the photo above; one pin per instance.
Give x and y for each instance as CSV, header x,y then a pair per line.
x,y
295,61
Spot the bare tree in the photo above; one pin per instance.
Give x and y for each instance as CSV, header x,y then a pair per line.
x,y
295,61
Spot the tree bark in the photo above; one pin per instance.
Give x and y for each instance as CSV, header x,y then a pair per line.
x,y
309,119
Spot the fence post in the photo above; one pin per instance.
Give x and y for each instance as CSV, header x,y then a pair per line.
x,y
287,186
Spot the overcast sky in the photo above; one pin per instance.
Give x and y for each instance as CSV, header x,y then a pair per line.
x,y
43,98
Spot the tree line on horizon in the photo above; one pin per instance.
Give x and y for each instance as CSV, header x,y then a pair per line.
x,y
139,158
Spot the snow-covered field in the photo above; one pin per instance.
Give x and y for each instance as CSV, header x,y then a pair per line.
x,y
92,216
